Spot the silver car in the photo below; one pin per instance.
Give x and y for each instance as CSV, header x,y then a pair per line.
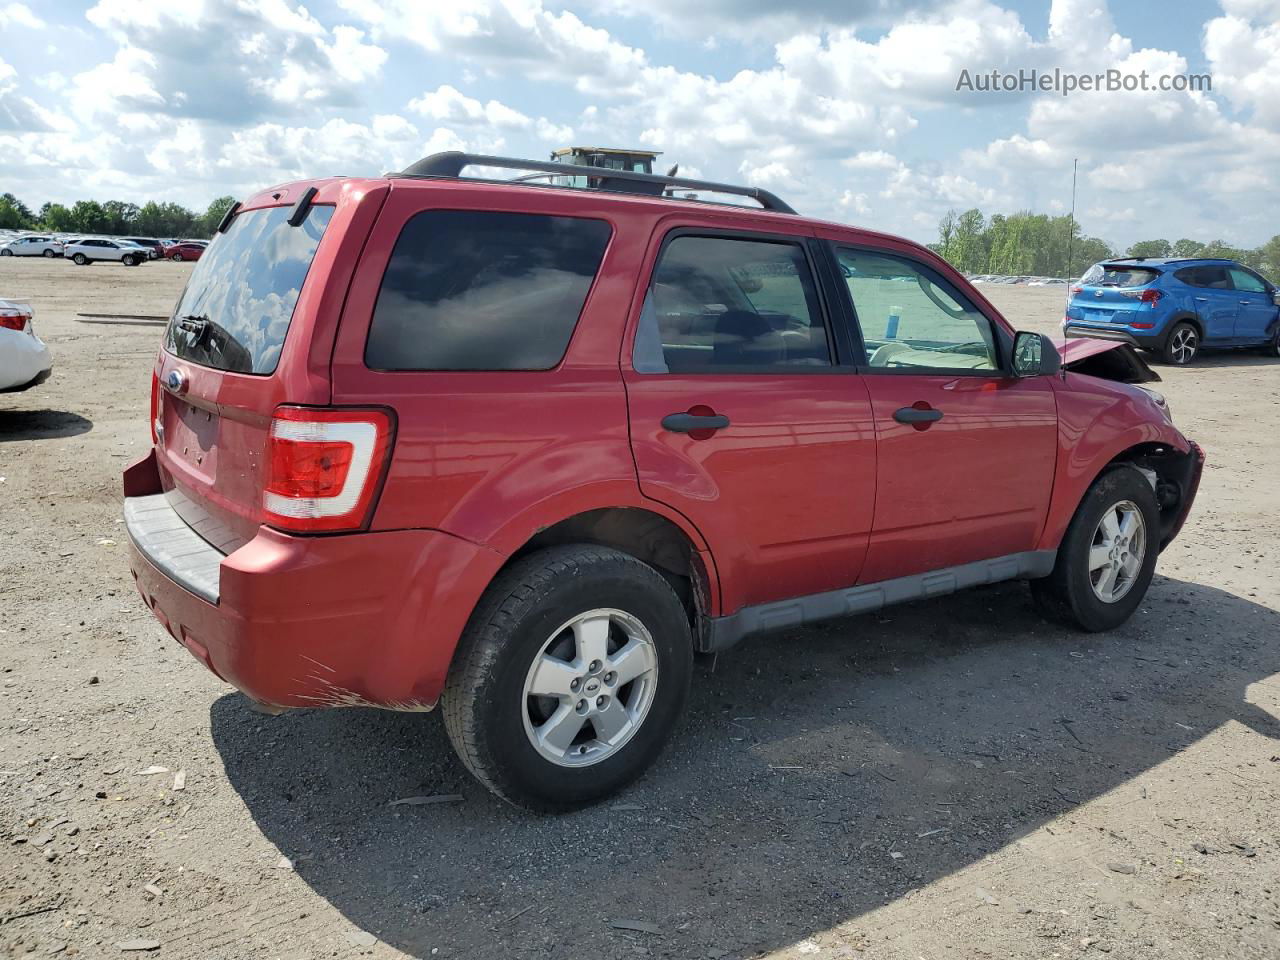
x,y
33,246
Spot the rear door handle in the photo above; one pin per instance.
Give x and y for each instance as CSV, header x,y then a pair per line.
x,y
1203,299
688,422
916,415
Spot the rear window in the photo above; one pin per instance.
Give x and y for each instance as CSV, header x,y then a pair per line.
x,y
469,290
1119,275
236,308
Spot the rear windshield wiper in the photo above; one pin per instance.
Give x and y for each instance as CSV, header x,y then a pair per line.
x,y
193,323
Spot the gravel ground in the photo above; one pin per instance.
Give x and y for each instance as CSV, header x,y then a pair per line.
x,y
954,778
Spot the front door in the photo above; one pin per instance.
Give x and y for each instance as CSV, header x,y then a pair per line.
x,y
1256,303
743,417
966,451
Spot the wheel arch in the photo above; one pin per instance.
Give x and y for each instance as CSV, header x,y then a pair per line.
x,y
1173,466
647,535
1185,316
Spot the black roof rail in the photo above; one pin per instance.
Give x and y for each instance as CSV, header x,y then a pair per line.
x,y
451,163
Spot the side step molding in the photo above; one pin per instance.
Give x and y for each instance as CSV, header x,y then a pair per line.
x,y
724,632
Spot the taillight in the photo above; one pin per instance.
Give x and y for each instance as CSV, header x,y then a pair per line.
x,y
14,318
324,467
1075,290
1150,295
155,408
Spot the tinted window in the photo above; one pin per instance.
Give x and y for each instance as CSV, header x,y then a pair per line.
x,y
236,308
717,302
1212,278
484,291
1246,281
911,317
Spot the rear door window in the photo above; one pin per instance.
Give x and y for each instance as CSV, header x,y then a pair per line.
x,y
237,306
1210,278
474,290
718,303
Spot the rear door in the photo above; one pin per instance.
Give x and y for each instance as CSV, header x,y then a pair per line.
x,y
244,337
1216,303
1256,306
745,414
966,451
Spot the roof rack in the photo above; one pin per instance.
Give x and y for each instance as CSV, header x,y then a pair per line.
x,y
451,163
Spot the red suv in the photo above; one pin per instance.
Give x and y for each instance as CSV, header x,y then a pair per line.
x,y
522,449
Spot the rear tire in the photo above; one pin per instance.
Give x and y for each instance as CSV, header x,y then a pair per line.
x,y
1182,344
607,635
79,259
1076,592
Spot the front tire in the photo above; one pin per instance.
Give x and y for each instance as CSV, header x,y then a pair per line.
x,y
49,253
1182,344
1108,556
570,677
176,258
1272,349
6,252
128,261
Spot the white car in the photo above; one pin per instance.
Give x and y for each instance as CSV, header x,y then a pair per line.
x,y
32,247
84,252
24,359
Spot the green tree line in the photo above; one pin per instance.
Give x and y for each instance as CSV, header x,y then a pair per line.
x,y
1035,244
114,217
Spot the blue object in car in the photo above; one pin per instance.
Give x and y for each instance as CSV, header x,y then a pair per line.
x,y
1175,307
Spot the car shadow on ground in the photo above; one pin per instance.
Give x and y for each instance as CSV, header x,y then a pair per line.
x,y
1211,359
805,761
41,424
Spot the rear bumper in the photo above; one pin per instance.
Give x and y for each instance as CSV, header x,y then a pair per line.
x,y
24,361
1150,341
369,619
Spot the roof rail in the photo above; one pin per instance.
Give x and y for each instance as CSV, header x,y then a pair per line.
x,y
451,163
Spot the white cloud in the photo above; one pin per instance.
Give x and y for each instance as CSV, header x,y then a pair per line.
x,y
19,15
1245,57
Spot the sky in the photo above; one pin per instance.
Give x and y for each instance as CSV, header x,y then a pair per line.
x,y
848,109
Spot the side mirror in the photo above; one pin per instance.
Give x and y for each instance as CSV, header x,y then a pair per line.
x,y
1275,297
1034,355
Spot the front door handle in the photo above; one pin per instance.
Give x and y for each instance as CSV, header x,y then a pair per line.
x,y
1203,299
688,422
1246,302
916,415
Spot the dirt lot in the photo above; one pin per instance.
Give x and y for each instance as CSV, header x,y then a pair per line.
x,y
950,779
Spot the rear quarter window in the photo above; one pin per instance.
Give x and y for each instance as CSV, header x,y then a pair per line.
x,y
471,290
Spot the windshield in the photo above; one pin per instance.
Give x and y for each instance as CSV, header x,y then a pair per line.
x,y
235,310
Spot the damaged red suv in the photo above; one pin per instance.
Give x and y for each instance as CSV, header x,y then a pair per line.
x,y
521,449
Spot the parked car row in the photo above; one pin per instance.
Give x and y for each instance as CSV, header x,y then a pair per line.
x,y
82,251
1028,281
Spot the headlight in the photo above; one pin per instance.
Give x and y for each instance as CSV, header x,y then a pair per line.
x,y
1161,402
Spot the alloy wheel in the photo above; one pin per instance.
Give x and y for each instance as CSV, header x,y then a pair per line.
x,y
590,687
1118,549
1183,346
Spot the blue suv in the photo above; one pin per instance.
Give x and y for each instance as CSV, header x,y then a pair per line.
x,y
1174,307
